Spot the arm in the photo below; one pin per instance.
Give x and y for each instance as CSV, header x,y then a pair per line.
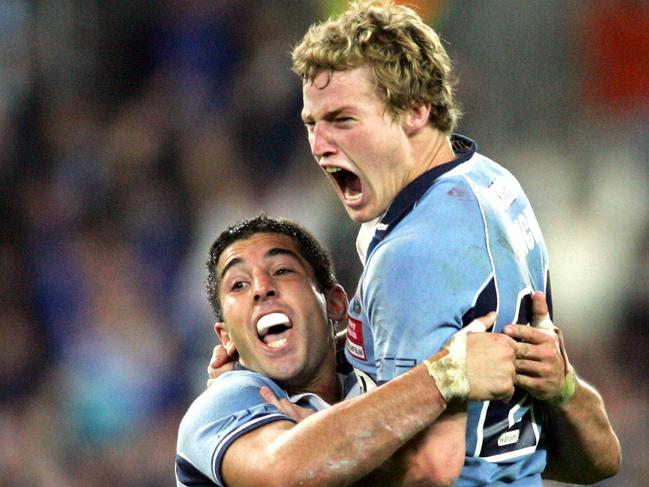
x,y
583,447
364,432
416,462
419,461
434,457
361,434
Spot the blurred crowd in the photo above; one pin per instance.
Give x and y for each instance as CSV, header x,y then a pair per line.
x,y
133,132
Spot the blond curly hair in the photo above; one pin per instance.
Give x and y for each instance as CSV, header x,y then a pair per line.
x,y
404,55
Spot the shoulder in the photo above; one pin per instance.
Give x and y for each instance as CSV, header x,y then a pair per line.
x,y
448,217
233,391
228,409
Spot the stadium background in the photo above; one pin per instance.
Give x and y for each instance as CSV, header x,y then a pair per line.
x,y
132,132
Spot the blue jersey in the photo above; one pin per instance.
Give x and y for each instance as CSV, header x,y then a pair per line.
x,y
459,241
227,410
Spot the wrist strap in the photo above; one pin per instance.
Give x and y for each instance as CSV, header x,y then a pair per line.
x,y
567,391
448,368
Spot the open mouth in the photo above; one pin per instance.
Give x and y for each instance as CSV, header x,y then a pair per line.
x,y
272,329
350,185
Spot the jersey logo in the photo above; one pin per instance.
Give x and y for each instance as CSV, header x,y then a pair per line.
x,y
355,344
505,195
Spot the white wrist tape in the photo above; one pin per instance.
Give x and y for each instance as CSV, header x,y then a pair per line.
x,y
544,324
449,371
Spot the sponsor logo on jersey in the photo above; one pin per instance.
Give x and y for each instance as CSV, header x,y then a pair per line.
x,y
508,437
505,195
355,344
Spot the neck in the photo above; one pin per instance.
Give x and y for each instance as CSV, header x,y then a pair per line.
x,y
325,384
431,148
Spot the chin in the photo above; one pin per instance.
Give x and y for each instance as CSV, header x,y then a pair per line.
x,y
284,374
361,216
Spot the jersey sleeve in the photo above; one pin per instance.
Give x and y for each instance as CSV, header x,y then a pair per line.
x,y
423,279
229,409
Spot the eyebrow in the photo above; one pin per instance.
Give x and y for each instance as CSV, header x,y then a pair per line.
x,y
275,251
328,116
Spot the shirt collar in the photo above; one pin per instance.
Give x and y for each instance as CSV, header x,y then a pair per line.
x,y
372,232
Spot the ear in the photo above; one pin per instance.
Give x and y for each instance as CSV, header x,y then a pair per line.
x,y
224,338
337,303
416,118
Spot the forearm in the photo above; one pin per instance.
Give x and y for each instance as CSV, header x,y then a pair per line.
x,y
583,445
355,437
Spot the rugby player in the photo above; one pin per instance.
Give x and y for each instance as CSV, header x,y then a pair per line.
x,y
447,235
273,289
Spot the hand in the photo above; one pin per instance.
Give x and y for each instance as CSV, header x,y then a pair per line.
x,y
220,363
540,365
490,366
298,413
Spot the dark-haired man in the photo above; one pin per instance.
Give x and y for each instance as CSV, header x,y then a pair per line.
x,y
273,289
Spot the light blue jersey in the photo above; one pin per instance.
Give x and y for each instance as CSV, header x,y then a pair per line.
x,y
227,410
459,241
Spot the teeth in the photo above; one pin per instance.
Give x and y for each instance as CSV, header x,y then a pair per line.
x,y
355,197
277,344
332,170
270,320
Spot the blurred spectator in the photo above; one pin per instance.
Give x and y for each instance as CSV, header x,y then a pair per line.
x,y
616,56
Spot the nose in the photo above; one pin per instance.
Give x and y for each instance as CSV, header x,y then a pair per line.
x,y
321,142
264,287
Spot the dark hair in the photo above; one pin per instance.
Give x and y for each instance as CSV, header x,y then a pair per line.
x,y
308,246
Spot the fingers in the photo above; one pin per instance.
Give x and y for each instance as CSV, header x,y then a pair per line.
x,y
533,368
480,324
298,413
219,358
486,321
269,396
540,313
528,334
220,362
529,383
490,366
539,305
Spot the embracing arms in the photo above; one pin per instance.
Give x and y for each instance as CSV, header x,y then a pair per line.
x,y
345,443
583,447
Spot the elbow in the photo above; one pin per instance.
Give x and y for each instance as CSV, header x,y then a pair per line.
x,y
611,463
607,465
436,472
434,478
445,474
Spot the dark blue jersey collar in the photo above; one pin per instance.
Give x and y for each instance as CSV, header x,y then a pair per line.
x,y
405,201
